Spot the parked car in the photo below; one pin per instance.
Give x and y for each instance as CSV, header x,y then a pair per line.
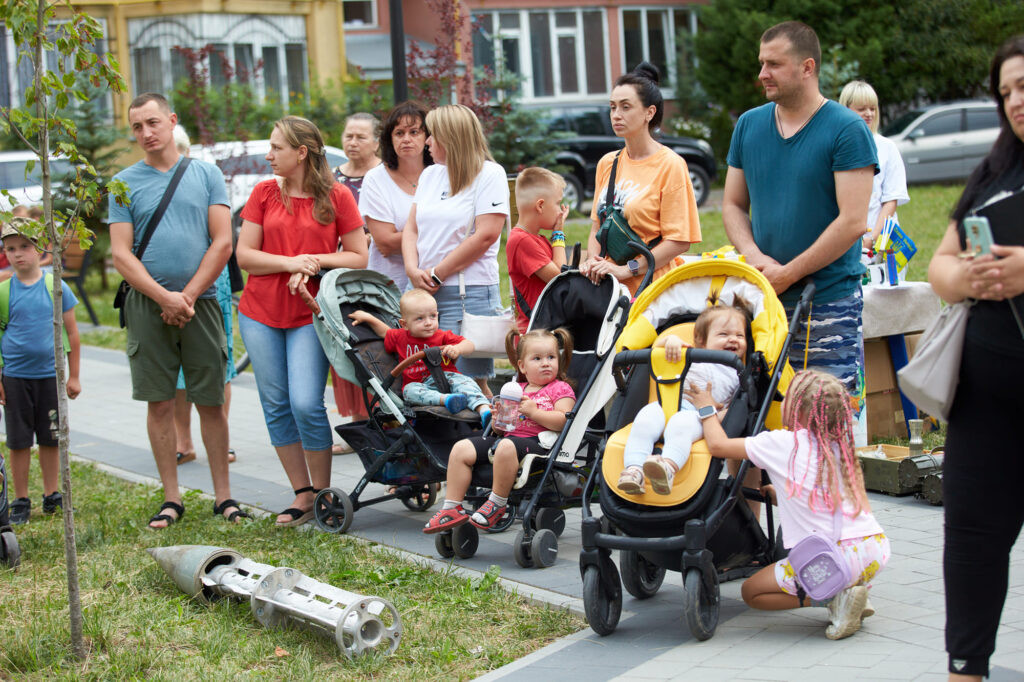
x,y
589,136
944,141
27,190
244,165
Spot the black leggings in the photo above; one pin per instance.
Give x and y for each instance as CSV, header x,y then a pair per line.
x,y
982,478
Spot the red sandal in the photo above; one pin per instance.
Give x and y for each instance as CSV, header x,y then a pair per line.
x,y
446,519
488,515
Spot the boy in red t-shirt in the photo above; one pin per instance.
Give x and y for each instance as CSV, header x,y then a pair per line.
x,y
419,330
532,260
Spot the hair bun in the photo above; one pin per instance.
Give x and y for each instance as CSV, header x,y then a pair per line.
x,y
649,71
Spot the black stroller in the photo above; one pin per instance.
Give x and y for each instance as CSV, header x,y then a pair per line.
x,y
10,552
721,539
546,484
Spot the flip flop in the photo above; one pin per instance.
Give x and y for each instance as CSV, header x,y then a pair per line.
x,y
184,457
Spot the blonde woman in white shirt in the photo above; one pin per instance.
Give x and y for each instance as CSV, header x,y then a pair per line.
x,y
454,227
890,185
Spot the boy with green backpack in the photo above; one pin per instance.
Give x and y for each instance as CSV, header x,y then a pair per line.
x,y
29,385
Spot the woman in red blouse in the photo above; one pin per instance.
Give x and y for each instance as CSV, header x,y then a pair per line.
x,y
292,227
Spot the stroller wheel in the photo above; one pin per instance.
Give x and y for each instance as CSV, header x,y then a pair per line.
x,y
10,551
551,518
333,510
521,550
421,497
701,603
505,522
640,577
602,596
465,540
544,548
443,544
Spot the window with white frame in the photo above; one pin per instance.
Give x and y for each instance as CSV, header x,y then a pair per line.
x,y
557,52
266,52
649,34
360,13
16,69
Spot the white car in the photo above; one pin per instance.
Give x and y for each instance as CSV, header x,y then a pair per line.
x,y
244,166
945,141
24,190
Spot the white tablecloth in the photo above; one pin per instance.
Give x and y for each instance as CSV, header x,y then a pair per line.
x,y
906,308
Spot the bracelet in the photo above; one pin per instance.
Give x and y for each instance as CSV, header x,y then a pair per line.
x,y
558,238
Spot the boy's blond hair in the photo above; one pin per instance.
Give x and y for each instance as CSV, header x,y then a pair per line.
x,y
538,183
410,297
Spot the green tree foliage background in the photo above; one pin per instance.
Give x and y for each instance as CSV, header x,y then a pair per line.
x,y
911,51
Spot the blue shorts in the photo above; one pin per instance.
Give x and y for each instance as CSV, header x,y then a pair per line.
x,y
836,342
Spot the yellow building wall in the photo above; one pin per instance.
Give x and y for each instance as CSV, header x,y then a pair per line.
x,y
325,42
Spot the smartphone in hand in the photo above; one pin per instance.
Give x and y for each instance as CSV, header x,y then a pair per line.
x,y
979,235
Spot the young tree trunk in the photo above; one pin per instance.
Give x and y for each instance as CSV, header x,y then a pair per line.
x,y
57,245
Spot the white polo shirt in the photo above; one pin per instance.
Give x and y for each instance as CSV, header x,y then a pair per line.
x,y
443,222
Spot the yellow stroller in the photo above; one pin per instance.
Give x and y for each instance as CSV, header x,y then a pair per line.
x,y
702,528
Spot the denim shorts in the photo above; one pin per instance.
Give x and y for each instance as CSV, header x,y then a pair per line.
x,y
291,374
481,299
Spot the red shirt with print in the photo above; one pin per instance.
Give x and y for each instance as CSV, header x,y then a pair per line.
x,y
403,343
266,298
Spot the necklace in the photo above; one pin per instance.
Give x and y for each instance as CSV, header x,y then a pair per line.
x,y
778,119
411,183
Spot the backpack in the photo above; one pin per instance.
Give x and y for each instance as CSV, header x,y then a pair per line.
x,y
5,309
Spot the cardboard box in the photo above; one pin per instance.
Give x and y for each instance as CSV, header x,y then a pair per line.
x,y
878,372
885,415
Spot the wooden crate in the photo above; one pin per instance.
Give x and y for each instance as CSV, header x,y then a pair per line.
x,y
882,475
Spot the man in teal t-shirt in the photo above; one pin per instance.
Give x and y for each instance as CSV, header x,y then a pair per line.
x,y
796,197
796,203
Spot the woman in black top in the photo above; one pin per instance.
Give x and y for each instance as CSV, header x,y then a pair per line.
x,y
983,467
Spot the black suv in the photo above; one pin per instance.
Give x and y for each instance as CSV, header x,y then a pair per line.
x,y
590,136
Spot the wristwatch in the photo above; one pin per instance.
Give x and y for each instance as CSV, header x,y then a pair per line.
x,y
435,278
707,411
634,266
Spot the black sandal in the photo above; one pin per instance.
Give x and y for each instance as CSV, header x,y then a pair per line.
x,y
219,509
173,506
298,517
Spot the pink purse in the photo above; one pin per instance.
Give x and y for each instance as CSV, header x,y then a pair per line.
x,y
819,564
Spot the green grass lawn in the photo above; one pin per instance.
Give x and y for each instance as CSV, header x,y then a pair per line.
x,y
139,626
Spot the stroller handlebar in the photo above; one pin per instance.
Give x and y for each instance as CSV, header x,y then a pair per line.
x,y
693,355
644,251
307,298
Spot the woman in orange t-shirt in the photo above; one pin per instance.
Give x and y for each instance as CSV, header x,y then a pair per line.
x,y
292,226
652,184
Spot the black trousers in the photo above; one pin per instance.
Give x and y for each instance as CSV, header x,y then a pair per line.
x,y
983,476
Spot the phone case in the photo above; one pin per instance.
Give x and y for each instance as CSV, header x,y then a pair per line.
x,y
979,234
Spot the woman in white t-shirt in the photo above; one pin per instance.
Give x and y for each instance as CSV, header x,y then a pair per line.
x,y
890,186
450,241
388,189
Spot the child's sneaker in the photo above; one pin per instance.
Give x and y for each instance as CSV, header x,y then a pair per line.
x,y
845,612
631,481
456,402
485,418
21,509
660,472
53,502
488,515
445,519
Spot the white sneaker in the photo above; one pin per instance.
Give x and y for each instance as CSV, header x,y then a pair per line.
x,y
845,611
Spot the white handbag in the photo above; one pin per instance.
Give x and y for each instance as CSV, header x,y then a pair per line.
x,y
487,332
929,380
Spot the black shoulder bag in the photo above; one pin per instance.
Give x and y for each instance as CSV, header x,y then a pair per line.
x,y
154,220
615,233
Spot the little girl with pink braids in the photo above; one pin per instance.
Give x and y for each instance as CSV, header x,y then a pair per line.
x,y
816,459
